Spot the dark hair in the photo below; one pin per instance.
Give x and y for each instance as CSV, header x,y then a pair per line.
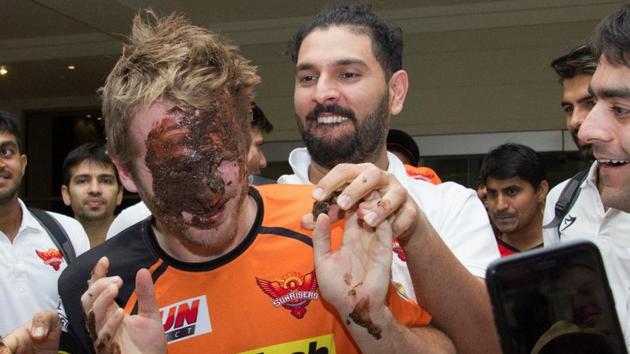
x,y
387,42
8,124
399,141
578,61
260,121
513,160
612,37
93,152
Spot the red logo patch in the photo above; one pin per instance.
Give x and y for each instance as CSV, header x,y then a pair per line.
x,y
52,257
399,252
293,292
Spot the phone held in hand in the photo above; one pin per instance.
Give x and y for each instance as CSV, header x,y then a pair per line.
x,y
554,300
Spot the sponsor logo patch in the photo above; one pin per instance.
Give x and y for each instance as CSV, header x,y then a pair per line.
x,y
316,345
293,292
51,257
186,319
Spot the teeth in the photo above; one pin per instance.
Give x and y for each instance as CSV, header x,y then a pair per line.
x,y
331,119
613,162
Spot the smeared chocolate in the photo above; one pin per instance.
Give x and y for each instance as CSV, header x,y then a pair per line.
x,y
106,345
184,152
353,290
322,207
361,316
102,343
90,326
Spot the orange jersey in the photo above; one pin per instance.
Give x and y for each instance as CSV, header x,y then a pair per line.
x,y
423,173
261,297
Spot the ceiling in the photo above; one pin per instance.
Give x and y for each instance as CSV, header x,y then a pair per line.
x,y
39,39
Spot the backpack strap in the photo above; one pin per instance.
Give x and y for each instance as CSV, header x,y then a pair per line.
x,y
567,198
56,232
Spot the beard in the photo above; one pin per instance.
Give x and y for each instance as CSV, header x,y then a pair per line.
x,y
355,147
585,151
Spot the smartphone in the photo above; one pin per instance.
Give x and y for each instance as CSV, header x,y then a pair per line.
x,y
554,300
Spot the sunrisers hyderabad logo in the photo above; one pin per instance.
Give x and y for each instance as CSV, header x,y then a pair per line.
x,y
52,257
293,292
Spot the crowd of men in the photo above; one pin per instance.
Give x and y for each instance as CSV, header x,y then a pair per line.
x,y
382,262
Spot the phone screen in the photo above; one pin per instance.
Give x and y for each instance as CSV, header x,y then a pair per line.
x,y
555,300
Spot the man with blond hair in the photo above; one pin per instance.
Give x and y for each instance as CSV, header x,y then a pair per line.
x,y
225,258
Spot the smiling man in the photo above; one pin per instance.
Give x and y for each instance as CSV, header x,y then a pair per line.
x,y
602,211
226,258
514,177
90,187
349,83
31,260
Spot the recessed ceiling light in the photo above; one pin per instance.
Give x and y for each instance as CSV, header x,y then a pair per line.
x,y
3,70
71,67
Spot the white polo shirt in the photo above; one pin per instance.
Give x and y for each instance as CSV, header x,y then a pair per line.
x,y
30,266
455,212
608,229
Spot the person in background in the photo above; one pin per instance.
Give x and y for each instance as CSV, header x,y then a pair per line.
x,y
601,212
516,187
30,258
575,70
91,188
256,159
405,148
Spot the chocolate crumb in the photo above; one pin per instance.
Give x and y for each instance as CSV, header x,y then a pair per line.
x,y
353,291
90,326
361,316
322,207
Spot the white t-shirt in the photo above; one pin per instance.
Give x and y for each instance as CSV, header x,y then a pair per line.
x,y
608,229
455,212
127,217
30,267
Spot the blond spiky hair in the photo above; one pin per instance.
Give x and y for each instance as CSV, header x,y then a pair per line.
x,y
169,59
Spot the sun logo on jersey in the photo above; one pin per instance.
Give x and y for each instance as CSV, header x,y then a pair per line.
x,y
293,292
51,257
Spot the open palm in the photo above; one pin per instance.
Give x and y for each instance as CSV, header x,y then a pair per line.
x,y
355,277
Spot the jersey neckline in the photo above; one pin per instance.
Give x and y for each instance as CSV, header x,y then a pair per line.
x,y
147,230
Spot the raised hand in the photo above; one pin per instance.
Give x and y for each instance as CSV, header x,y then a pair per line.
x,y
359,181
354,278
40,335
110,328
